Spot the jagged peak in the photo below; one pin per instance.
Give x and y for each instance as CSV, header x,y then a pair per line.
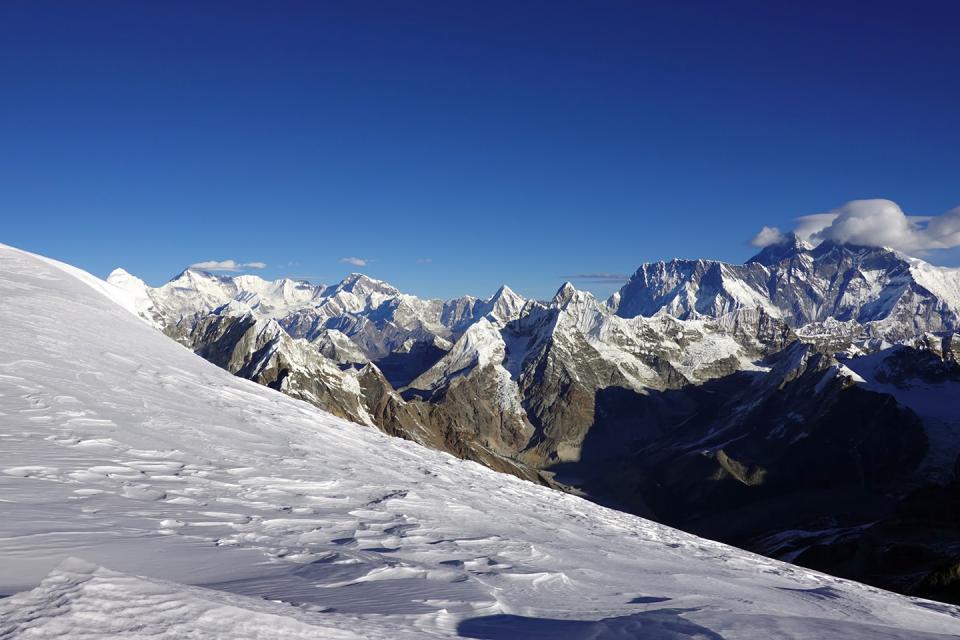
x,y
191,274
505,292
568,297
565,293
505,297
504,305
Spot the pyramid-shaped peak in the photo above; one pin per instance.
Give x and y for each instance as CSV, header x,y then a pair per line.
x,y
355,277
506,304
506,293
192,273
125,280
363,284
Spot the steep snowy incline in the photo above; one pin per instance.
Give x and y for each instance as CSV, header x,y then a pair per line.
x,y
123,448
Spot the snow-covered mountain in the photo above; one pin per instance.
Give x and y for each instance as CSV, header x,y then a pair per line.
x,y
891,295
459,374
376,315
127,450
698,395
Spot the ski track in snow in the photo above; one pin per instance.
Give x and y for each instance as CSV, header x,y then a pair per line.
x,y
121,447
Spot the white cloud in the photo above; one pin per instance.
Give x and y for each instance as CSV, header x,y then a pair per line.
x,y
943,232
357,262
809,225
767,236
876,223
871,223
227,265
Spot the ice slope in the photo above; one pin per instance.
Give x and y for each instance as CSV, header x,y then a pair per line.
x,y
123,448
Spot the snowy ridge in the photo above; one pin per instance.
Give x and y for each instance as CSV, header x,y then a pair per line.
x,y
133,453
942,282
362,320
481,345
889,293
849,298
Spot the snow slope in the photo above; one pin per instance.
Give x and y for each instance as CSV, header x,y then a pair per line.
x,y
81,600
123,448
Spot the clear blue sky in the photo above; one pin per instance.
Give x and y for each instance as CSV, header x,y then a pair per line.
x,y
516,142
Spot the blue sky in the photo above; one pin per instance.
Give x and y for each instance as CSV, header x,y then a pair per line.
x,y
457,145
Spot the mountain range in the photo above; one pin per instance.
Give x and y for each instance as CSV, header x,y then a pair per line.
x,y
204,505
775,405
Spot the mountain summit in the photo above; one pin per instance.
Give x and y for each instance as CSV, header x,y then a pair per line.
x,y
892,295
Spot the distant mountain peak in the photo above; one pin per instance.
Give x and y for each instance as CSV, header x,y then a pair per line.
x,y
119,272
889,293
504,291
356,277
191,274
125,280
361,283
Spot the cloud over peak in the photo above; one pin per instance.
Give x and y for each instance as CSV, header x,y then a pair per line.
x,y
356,262
872,223
227,265
767,236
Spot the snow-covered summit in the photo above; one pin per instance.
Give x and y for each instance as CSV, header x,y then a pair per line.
x,y
891,294
564,293
363,285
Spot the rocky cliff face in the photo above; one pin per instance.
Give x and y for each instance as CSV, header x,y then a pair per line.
x,y
763,404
